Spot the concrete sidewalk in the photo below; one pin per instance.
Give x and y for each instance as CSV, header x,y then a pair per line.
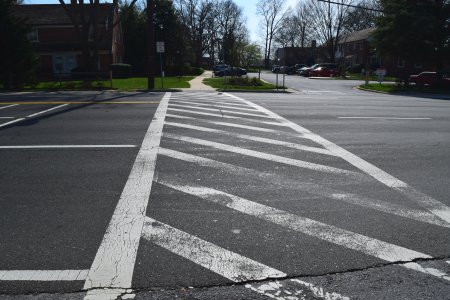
x,y
198,85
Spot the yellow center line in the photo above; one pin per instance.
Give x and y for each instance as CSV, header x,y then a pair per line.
x,y
80,102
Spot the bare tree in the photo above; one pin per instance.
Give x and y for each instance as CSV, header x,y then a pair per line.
x,y
328,23
197,15
231,31
272,12
363,16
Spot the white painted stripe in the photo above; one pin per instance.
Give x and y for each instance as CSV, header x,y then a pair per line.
x,y
8,106
212,104
114,262
430,271
265,156
293,290
262,129
312,188
11,122
7,117
66,146
348,239
386,118
319,292
47,110
226,263
180,117
202,113
221,111
254,138
438,208
43,275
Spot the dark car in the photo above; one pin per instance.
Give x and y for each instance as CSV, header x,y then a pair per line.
x,y
275,69
430,78
306,70
287,70
324,71
231,72
218,68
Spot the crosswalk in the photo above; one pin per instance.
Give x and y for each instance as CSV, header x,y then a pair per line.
x,y
241,192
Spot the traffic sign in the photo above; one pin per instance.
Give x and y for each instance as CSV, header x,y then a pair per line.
x,y
159,47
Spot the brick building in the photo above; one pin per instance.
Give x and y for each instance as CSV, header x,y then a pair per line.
x,y
57,43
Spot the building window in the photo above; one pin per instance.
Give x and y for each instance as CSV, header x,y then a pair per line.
x,y
33,35
401,63
63,64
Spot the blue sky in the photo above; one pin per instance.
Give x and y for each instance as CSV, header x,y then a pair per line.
x,y
249,7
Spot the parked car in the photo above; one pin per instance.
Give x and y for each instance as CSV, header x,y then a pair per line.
x,y
305,71
324,71
275,69
429,78
231,72
218,68
287,70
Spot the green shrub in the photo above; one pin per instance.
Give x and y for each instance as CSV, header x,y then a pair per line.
x,y
121,70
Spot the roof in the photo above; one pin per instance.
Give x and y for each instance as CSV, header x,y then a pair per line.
x,y
54,14
360,35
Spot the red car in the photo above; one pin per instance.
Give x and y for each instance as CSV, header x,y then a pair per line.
x,y
324,72
428,78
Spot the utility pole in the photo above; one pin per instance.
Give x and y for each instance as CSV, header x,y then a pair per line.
x,y
150,45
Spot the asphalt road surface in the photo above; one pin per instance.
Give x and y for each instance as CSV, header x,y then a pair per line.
x,y
324,193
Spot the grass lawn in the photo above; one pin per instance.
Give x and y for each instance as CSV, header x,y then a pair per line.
x,y
242,83
355,76
129,84
393,88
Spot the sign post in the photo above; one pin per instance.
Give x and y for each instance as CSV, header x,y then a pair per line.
x,y
160,50
381,73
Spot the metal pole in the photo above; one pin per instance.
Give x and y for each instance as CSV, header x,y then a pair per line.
x,y
283,81
277,80
162,72
150,45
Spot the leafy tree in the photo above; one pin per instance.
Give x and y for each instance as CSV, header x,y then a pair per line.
x,y
415,30
362,16
18,61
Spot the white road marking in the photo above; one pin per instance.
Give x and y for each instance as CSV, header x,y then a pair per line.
x,y
221,111
262,129
43,275
8,106
254,138
226,263
434,206
212,104
293,290
113,265
431,271
180,117
66,146
7,117
348,239
386,118
202,113
265,156
312,188
11,122
47,110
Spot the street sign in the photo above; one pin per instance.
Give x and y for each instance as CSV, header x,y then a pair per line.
x,y
380,72
159,47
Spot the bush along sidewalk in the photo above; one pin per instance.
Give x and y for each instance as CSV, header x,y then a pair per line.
x,y
239,83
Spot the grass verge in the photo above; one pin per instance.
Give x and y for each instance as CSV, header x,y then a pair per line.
x,y
129,84
394,88
239,83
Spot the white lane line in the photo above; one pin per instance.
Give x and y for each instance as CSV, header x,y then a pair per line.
x,y
253,138
215,105
221,111
348,239
11,122
66,146
180,117
385,118
265,156
434,206
293,290
114,262
312,188
431,271
8,106
202,113
47,110
226,263
43,275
